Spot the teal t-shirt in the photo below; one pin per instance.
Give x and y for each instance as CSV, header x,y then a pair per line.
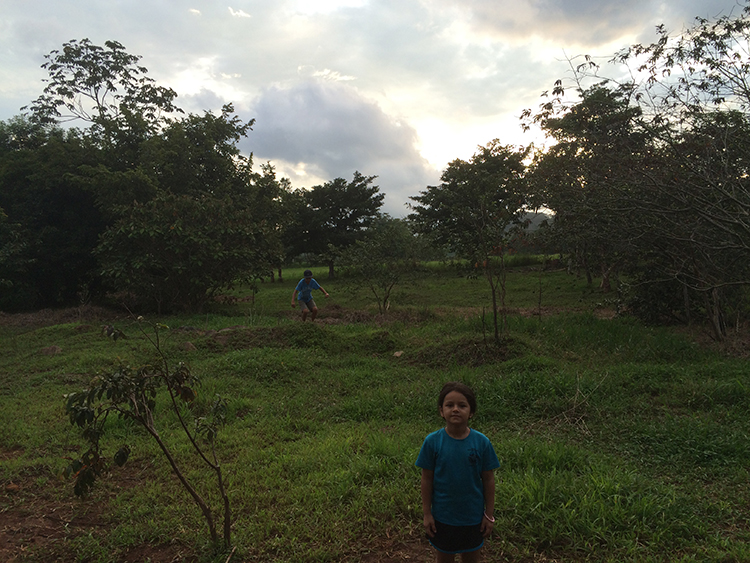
x,y
457,489
305,289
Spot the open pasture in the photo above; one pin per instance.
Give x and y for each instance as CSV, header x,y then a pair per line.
x,y
618,442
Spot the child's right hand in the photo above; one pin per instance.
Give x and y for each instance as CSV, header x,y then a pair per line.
x,y
429,525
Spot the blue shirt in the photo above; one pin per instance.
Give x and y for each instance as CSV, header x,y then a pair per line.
x,y
457,488
305,289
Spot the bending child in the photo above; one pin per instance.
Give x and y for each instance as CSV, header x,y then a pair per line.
x,y
304,289
458,483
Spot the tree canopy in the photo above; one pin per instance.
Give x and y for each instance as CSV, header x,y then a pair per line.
x,y
653,173
336,214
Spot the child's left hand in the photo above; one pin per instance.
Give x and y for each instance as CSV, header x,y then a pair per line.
x,y
486,527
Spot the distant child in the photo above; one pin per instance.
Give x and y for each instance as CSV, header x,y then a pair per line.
x,y
304,289
458,483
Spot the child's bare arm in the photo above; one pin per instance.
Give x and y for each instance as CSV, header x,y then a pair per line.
x,y
426,490
488,520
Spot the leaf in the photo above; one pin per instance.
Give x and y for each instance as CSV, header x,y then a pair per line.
x,y
187,394
122,455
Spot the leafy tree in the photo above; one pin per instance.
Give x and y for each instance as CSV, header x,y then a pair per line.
x,y
276,203
101,85
131,394
14,261
382,258
690,194
175,208
337,213
177,251
583,176
199,227
701,120
107,89
472,211
55,220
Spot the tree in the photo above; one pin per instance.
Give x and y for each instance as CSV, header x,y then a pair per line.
x,y
337,213
131,394
55,220
177,251
199,228
688,194
176,203
472,211
107,89
382,258
275,202
583,176
101,85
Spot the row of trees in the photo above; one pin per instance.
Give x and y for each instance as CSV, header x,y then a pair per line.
x,y
650,175
646,177
146,200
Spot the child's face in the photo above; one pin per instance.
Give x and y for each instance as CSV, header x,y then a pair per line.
x,y
455,409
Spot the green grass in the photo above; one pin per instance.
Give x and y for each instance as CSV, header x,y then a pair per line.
x,y
618,442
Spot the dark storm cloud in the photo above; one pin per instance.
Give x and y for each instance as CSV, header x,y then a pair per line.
x,y
333,126
582,22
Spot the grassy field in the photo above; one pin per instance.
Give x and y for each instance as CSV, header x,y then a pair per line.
x,y
617,442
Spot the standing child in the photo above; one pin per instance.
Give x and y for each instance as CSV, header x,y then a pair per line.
x,y
458,483
304,289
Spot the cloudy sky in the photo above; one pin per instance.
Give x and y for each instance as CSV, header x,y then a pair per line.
x,y
392,88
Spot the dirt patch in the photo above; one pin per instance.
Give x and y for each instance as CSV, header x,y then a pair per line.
x,y
390,551
85,315
36,524
40,520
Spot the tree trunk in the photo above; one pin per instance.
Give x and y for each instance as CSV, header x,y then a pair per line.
x,y
686,300
606,284
715,316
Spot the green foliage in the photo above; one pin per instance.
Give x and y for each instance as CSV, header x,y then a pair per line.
x,y
618,442
164,211
103,85
52,221
132,395
177,251
335,215
383,258
599,145
473,211
651,175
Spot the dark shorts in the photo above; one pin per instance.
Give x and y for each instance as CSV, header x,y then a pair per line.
x,y
457,539
307,306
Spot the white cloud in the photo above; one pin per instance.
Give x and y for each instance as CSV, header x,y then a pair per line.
x,y
239,13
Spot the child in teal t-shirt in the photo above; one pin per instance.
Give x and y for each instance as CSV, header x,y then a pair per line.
x,y
458,483
303,294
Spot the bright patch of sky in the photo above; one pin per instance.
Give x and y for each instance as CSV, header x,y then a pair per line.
x,y
310,7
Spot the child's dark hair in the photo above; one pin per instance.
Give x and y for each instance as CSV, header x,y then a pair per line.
x,y
465,390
